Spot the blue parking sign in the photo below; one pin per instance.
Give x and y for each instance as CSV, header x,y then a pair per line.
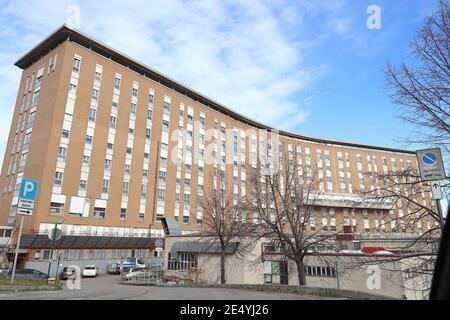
x,y
28,189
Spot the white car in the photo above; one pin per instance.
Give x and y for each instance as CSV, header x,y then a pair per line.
x,y
89,271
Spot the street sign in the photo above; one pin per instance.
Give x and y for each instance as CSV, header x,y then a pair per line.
x,y
28,189
159,244
57,236
431,166
27,195
26,204
436,191
25,212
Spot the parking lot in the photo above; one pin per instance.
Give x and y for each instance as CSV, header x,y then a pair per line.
x,y
108,287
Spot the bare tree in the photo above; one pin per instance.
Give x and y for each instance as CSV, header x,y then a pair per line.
x,y
224,222
423,91
412,212
284,197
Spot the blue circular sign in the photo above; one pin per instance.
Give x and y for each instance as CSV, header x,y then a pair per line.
x,y
159,243
429,158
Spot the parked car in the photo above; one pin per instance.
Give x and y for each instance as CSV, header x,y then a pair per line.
x,y
89,271
113,268
133,272
132,262
67,272
4,272
28,273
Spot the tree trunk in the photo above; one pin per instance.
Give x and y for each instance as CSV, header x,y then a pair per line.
x,y
222,266
301,272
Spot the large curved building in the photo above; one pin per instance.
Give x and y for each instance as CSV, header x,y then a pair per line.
x,y
115,146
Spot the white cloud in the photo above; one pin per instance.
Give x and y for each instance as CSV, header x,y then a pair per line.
x,y
236,52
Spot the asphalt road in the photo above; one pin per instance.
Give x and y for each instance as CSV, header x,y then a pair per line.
x,y
107,287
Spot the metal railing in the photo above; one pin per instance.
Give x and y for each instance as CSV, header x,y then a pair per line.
x,y
141,277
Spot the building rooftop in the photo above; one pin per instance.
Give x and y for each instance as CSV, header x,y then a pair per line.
x,y
65,33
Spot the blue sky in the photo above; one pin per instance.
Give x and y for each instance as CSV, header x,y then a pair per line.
x,y
312,67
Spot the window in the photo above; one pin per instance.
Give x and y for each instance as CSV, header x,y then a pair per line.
x,y
135,92
86,160
190,119
62,154
98,76
99,213
148,133
95,94
117,83
72,88
151,98
161,194
133,108
56,209
27,138
162,176
146,155
105,187
125,188
123,213
112,122
83,185
185,219
65,133
166,107
89,139
130,130
129,150
23,160
115,105
145,173
76,65
31,117
110,146
92,114
202,123
165,124
143,191
187,199
149,114
108,164
127,169
58,178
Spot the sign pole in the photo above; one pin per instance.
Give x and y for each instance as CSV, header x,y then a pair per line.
x,y
17,250
441,217
51,251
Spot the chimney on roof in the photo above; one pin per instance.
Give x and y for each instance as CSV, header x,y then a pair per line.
x,y
345,239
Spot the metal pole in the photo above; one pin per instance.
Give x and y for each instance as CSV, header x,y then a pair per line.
x,y
337,276
51,251
57,268
441,217
17,251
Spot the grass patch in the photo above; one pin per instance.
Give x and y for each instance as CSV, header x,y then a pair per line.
x,y
18,281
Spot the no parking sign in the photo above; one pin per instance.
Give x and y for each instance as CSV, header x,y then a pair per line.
x,y
430,164
159,244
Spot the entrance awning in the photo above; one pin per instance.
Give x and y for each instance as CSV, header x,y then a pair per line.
x,y
41,241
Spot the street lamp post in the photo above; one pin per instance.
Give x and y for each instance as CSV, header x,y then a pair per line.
x,y
52,248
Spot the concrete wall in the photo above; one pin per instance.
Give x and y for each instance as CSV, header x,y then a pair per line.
x,y
251,271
